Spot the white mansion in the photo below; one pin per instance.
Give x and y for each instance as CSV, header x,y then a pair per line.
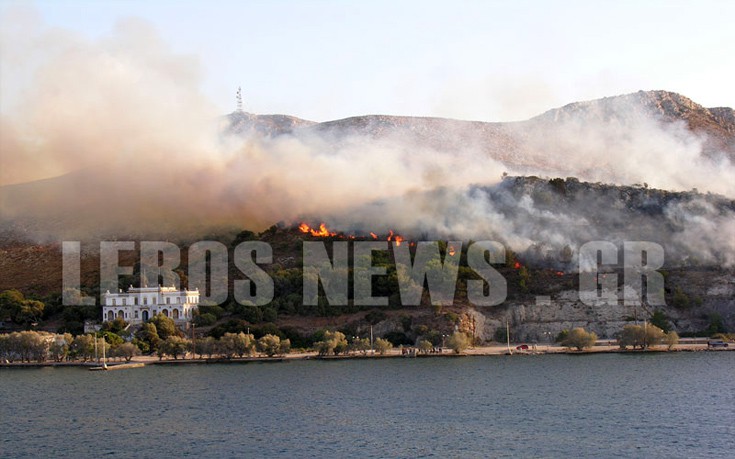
x,y
137,305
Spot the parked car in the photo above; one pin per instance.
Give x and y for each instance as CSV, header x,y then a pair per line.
x,y
716,343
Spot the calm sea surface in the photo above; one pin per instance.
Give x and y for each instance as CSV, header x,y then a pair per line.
x,y
655,405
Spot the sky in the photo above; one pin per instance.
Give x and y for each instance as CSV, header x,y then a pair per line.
x,y
478,60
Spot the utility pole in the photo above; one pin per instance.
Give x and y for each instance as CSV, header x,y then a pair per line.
x,y
239,99
372,352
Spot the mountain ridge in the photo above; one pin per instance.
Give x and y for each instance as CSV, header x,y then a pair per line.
x,y
506,140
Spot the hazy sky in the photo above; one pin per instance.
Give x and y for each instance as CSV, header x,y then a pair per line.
x,y
483,60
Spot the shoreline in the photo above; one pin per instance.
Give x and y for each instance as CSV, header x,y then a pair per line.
x,y
479,351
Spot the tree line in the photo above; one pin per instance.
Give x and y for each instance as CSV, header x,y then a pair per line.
x,y
635,336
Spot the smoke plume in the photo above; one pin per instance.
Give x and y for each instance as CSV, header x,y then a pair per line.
x,y
113,137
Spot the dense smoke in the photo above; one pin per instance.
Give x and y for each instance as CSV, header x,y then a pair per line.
x,y
127,145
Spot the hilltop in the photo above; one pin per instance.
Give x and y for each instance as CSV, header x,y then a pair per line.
x,y
503,140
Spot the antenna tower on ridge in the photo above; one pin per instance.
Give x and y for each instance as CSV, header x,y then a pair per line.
x,y
239,99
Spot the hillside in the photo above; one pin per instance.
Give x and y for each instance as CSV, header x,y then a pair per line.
x,y
649,166
700,284
654,137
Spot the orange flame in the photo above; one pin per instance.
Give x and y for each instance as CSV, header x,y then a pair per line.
x,y
451,251
321,232
517,265
395,237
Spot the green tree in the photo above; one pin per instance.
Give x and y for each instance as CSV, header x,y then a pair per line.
x,y
83,347
271,345
580,339
165,326
458,342
524,279
113,339
115,326
270,314
31,345
6,348
30,312
640,336
659,319
383,345
671,339
205,346
143,346
19,309
128,351
60,346
239,344
360,345
148,334
716,325
10,303
174,346
205,320
424,346
332,342
681,299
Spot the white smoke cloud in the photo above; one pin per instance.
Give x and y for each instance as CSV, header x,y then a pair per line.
x,y
125,118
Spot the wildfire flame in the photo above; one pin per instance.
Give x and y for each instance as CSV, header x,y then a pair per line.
x,y
451,251
395,237
321,232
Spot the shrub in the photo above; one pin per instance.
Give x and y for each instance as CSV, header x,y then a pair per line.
x,y
271,345
332,342
641,336
382,345
660,320
579,338
205,320
458,342
671,339
424,346
561,336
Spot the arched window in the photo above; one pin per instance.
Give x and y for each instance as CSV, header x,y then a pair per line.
x,y
175,314
120,314
110,315
165,312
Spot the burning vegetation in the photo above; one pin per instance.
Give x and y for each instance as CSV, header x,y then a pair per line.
x,y
323,231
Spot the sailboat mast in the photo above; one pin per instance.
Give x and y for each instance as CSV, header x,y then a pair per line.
x,y
104,362
507,335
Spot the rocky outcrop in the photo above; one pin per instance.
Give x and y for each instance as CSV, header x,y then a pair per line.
x,y
711,293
